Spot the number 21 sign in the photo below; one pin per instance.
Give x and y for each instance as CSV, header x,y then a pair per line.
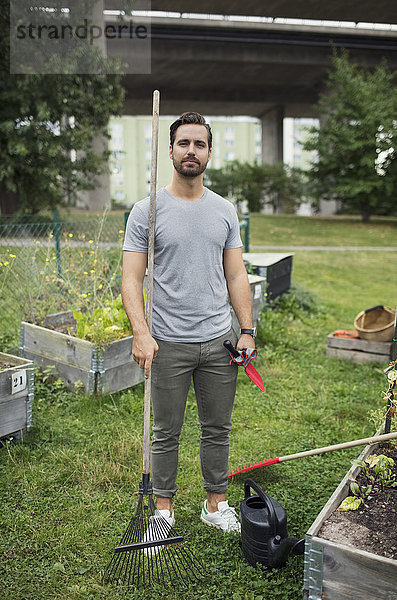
x,y
18,381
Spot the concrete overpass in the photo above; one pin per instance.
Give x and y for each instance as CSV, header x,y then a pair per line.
x,y
266,70
235,68
379,11
269,70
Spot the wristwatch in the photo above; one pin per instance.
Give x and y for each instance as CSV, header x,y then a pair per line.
x,y
251,332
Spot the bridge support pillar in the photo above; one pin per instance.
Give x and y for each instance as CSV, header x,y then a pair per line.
x,y
272,135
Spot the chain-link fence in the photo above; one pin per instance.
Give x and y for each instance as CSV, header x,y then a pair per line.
x,y
48,267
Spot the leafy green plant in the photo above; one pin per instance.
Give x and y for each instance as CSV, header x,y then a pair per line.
x,y
48,383
378,477
295,306
377,417
298,301
104,325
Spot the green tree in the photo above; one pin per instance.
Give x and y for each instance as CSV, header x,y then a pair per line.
x,y
278,185
284,187
356,142
242,181
47,127
249,186
223,181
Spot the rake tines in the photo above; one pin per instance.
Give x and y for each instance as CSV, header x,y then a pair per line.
x,y
142,559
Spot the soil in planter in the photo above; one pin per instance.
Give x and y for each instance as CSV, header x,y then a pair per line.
x,y
5,365
373,526
69,328
65,325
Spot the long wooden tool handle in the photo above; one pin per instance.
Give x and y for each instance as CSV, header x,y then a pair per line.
x,y
370,440
279,459
149,280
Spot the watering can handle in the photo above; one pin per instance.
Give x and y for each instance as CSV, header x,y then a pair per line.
x,y
250,483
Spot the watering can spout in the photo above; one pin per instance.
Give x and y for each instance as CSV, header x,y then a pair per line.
x,y
283,548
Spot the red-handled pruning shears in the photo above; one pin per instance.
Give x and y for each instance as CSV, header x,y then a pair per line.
x,y
244,359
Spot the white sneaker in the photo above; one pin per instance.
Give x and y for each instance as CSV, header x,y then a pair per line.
x,y
160,526
224,518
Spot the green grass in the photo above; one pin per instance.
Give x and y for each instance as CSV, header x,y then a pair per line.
x,y
288,230
348,281
68,490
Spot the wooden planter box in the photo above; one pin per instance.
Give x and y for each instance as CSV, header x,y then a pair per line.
x,y
358,350
100,371
337,572
257,285
16,395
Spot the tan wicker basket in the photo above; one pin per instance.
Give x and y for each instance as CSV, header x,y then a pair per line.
x,y
375,324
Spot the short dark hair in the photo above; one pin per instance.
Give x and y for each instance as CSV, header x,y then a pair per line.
x,y
190,118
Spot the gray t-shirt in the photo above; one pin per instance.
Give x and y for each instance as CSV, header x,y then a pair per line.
x,y
190,301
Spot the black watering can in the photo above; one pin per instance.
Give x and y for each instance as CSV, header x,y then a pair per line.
x,y
264,530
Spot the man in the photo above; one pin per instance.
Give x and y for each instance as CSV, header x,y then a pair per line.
x,y
198,259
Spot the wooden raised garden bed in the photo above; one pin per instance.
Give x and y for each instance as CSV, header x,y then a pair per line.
x,y
99,370
358,350
16,395
341,571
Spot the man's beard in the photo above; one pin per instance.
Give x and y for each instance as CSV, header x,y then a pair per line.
x,y
189,171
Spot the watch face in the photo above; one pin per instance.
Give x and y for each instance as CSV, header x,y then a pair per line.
x,y
251,332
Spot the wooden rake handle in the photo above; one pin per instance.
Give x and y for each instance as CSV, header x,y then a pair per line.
x,y
149,280
279,459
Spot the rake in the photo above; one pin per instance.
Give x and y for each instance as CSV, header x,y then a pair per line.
x,y
314,451
140,559
149,556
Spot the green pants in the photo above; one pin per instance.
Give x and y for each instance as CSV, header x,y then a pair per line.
x,y
214,382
